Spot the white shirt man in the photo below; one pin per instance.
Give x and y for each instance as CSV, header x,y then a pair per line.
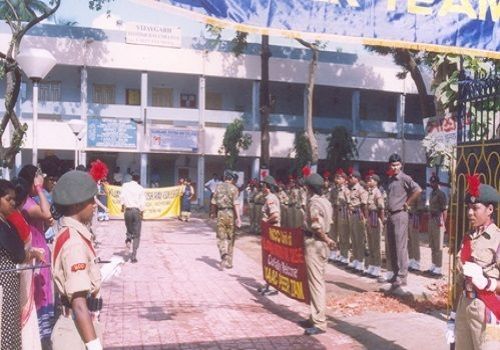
x,y
133,195
212,184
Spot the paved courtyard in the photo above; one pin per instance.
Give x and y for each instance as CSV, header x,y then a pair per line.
x,y
176,297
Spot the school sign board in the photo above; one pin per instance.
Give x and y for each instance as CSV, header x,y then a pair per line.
x,y
283,261
457,26
111,133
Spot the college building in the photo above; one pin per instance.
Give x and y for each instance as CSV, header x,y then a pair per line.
x,y
157,102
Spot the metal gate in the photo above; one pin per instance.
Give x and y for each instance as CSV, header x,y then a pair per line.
x,y
478,146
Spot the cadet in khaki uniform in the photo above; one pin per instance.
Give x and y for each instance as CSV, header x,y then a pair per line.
x,y
376,218
225,199
415,215
252,191
478,311
259,200
77,276
271,211
283,198
318,219
438,206
357,220
339,197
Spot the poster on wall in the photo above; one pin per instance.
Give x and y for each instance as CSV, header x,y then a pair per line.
x,y
181,140
111,132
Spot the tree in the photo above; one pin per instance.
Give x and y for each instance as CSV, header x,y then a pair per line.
x,y
341,148
234,141
21,16
308,124
303,152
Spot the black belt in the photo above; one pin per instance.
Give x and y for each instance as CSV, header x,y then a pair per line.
x,y
308,233
132,209
395,211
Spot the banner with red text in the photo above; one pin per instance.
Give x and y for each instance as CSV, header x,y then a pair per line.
x,y
283,261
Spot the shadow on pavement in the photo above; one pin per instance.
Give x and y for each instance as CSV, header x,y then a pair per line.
x,y
289,342
347,286
209,261
156,313
370,340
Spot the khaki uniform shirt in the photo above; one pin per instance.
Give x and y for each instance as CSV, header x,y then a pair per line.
x,y
283,197
319,214
375,199
358,196
340,196
485,249
437,202
259,198
294,198
271,206
75,268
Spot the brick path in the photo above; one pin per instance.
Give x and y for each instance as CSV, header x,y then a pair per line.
x,y
175,297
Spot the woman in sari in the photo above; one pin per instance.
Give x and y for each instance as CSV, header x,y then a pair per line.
x,y
38,217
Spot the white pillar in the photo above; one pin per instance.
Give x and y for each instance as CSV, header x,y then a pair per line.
x,y
83,112
18,163
355,112
142,129
255,105
201,100
34,147
400,122
200,184
256,168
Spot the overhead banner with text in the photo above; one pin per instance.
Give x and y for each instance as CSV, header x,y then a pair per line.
x,y
283,261
459,26
161,203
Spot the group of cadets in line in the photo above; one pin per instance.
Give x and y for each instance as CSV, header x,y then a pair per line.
x,y
359,215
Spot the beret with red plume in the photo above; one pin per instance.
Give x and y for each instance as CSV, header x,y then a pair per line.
x,y
326,174
306,171
480,193
98,170
340,172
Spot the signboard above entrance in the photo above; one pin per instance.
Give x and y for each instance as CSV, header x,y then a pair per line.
x,y
111,133
456,26
152,34
174,140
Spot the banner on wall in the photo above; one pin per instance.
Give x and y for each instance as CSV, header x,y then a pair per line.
x,y
161,203
111,132
283,261
463,27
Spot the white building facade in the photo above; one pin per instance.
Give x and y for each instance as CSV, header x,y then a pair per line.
x,y
162,107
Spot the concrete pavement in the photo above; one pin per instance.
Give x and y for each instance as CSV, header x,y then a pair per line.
x,y
175,297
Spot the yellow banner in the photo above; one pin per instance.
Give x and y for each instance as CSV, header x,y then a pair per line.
x,y
161,203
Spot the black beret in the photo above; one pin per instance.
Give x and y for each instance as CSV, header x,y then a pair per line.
x,y
74,187
394,158
375,177
314,180
434,178
356,174
487,195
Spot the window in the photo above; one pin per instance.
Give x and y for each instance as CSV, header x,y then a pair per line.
x,y
378,105
188,100
162,97
50,91
214,101
104,94
133,97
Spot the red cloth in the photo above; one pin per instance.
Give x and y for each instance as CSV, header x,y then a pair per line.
x,y
490,299
17,220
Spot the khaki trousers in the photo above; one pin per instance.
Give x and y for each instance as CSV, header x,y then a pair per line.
x,y
436,237
358,237
251,216
413,240
284,215
258,217
342,227
471,332
65,335
373,235
316,256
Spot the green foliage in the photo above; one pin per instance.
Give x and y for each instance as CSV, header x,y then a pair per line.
x,y
23,10
98,4
303,153
239,43
341,148
234,141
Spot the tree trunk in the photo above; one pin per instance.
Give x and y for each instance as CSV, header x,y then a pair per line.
x,y
265,105
308,124
416,75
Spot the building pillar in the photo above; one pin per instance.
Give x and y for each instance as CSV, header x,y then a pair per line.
x,y
355,112
200,184
255,105
256,168
83,112
142,129
400,122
